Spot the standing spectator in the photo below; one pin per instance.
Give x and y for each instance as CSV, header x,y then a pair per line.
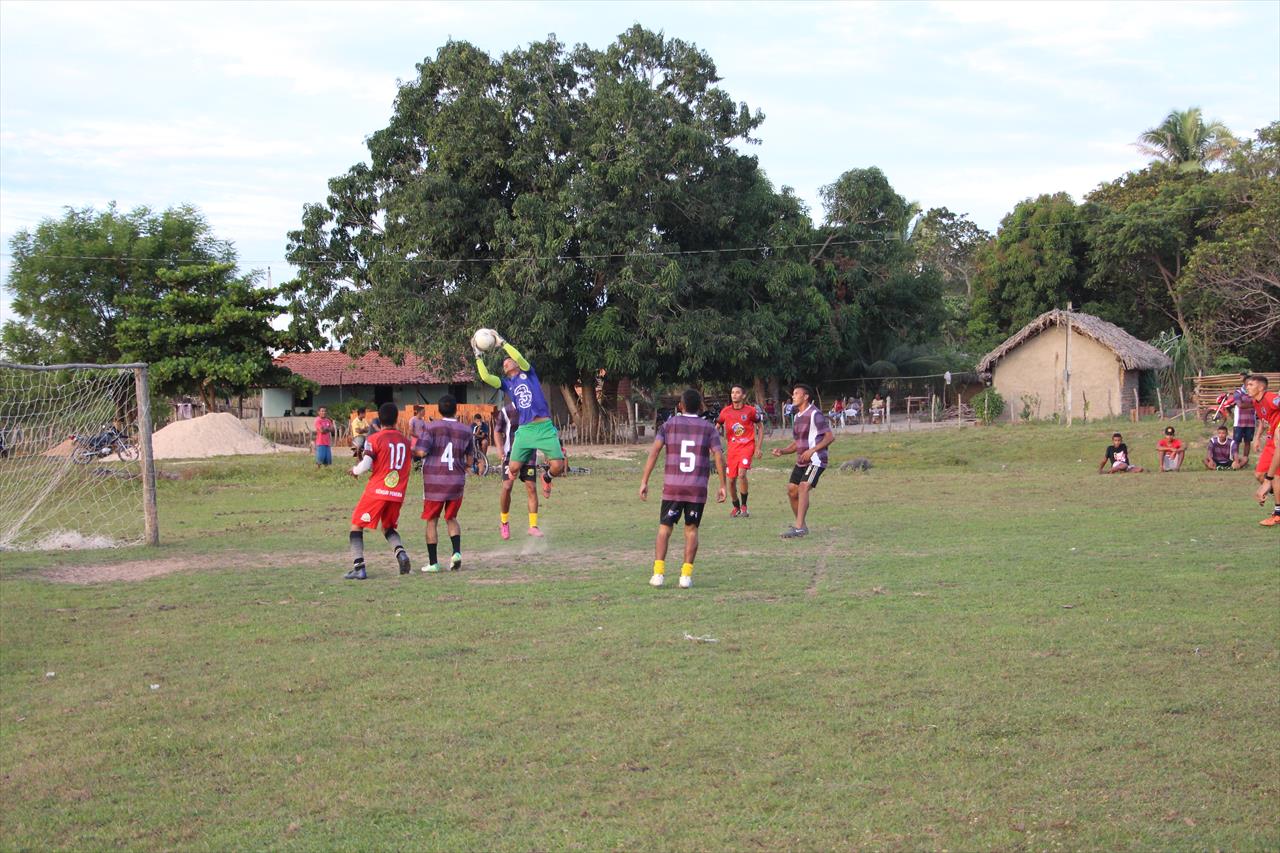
x,y
480,434
324,438
1170,451
417,424
1221,451
788,412
1116,459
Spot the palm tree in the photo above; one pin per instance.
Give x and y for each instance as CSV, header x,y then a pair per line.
x,y
1185,142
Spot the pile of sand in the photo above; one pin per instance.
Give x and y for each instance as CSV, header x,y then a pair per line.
x,y
219,434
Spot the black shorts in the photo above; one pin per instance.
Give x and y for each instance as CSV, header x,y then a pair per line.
x,y
672,510
528,471
1222,466
806,474
1243,434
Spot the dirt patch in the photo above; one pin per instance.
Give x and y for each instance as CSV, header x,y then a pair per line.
x,y
131,570
620,453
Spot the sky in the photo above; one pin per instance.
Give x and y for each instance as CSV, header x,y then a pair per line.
x,y
246,110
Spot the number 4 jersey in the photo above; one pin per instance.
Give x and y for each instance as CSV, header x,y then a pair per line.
x,y
447,445
390,472
690,441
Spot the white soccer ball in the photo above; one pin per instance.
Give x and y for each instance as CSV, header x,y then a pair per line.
x,y
484,340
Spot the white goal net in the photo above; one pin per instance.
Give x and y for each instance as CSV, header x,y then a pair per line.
x,y
71,467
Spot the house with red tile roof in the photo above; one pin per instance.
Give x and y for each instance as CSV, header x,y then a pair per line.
x,y
373,378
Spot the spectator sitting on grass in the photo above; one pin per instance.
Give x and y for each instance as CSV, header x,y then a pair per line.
x,y
1221,451
1170,451
1116,460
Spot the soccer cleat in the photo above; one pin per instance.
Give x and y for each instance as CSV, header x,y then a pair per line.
x,y
455,563
535,532
657,579
686,581
795,532
433,569
735,512
1271,521
505,530
743,513
356,574
402,557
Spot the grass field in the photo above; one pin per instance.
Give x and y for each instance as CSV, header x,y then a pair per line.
x,y
982,644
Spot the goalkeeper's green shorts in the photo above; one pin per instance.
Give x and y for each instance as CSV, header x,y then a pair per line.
x,y
539,435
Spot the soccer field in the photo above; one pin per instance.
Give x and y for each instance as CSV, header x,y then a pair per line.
x,y
981,644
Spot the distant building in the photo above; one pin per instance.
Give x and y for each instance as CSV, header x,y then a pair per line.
x,y
1106,363
373,378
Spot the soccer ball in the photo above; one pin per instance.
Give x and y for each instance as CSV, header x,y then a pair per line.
x,y
484,339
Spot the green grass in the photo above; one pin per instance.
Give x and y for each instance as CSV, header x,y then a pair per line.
x,y
982,644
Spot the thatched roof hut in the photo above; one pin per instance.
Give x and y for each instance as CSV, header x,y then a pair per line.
x,y
1105,361
1132,353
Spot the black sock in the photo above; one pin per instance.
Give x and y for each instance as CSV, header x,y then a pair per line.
x,y
393,539
736,505
431,553
744,500
456,542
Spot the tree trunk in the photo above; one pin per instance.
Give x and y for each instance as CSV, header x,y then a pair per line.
x,y
757,390
588,408
570,400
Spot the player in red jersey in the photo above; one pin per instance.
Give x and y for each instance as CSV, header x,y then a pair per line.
x,y
386,454
1266,405
742,431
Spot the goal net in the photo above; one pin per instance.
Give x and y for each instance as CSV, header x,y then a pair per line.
x,y
71,468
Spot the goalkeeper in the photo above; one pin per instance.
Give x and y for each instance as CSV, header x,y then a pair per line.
x,y
536,431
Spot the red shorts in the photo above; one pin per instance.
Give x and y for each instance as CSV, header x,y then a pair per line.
x,y
371,512
431,509
738,460
1265,457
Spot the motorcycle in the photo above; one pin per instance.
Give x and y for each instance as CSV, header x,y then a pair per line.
x,y
105,442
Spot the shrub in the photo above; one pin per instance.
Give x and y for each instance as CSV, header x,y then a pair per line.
x,y
988,405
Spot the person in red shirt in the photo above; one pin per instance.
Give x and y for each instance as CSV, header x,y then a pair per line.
x,y
387,455
1170,451
324,438
741,426
1266,405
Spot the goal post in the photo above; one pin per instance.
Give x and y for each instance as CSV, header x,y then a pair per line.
x,y
76,464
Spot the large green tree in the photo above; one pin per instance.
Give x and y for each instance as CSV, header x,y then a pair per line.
x,y
593,204
69,277
1238,273
1038,261
880,297
206,331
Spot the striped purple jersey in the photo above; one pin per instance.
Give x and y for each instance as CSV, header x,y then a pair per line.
x,y
690,441
1224,452
447,445
810,428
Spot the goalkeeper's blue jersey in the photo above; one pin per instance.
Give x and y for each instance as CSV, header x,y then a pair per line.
x,y
525,391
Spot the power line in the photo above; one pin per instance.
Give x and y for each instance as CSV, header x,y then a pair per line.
x,y
896,238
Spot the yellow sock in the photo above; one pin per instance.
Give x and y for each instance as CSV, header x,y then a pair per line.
x,y
505,516
686,570
533,519
659,567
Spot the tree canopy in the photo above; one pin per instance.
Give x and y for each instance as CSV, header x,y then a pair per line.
x,y
69,276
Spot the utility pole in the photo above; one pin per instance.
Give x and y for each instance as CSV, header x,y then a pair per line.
x,y
1066,374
